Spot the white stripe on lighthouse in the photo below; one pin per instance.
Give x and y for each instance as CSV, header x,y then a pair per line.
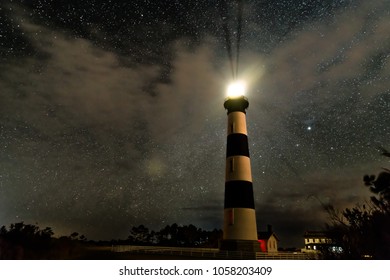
x,y
237,123
238,168
241,225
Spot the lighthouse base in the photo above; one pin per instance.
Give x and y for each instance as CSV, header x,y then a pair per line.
x,y
240,245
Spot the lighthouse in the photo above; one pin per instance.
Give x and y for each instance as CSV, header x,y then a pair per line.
x,y
239,225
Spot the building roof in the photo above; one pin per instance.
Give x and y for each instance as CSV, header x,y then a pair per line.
x,y
311,234
266,235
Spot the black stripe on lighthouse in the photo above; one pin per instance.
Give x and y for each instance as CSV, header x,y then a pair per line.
x,y
239,194
237,145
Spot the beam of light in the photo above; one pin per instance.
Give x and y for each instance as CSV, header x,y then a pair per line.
x,y
223,13
236,89
239,27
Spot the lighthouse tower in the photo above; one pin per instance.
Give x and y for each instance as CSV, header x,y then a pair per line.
x,y
239,229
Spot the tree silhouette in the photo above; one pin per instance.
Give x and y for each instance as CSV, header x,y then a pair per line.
x,y
139,235
25,241
364,231
74,235
380,186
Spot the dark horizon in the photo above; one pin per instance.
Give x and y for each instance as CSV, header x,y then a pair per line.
x,y
111,113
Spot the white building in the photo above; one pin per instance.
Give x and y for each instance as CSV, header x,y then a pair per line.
x,y
316,241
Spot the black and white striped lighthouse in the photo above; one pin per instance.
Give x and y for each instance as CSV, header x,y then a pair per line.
x,y
239,229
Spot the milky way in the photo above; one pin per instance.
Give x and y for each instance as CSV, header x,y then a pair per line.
x,y
111,112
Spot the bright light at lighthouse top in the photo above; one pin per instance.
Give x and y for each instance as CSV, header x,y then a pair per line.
x,y
236,89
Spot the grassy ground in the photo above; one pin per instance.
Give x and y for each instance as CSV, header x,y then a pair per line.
x,y
109,255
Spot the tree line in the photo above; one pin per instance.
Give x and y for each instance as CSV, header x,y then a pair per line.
x,y
26,241
175,235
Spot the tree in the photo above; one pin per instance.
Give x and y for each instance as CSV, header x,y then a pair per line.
x,y
47,232
24,241
364,231
74,235
380,186
139,235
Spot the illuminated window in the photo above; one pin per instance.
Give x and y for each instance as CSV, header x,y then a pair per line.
x,y
231,216
231,165
232,127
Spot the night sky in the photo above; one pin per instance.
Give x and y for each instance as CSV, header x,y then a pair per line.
x,y
111,112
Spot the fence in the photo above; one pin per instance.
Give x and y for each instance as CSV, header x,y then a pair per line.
x,y
284,256
208,253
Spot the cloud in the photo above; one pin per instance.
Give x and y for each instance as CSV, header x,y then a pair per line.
x,y
191,96
87,135
325,58
81,85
